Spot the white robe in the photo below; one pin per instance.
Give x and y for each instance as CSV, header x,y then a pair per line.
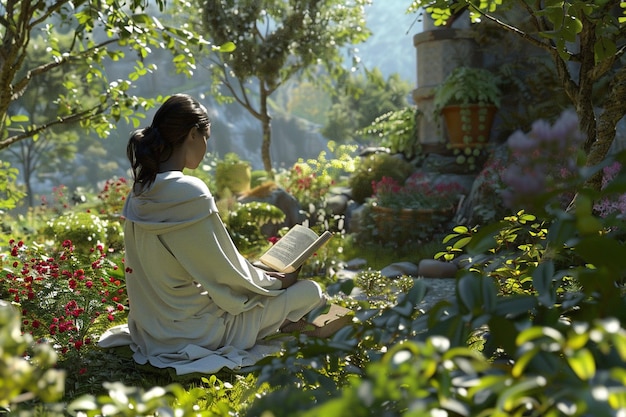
x,y
196,304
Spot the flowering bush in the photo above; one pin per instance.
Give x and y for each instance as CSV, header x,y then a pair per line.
x,y
113,195
543,160
309,181
611,204
59,297
86,230
60,200
416,193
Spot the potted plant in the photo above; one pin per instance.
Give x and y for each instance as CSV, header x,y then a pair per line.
x,y
233,174
415,208
468,99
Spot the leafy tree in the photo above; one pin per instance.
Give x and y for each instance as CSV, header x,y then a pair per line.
x,y
99,31
57,147
360,100
275,41
586,41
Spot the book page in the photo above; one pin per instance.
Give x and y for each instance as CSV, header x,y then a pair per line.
x,y
290,252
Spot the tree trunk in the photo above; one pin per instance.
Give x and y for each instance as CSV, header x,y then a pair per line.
x,y
614,110
267,131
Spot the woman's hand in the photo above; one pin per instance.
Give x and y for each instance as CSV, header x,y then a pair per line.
x,y
287,280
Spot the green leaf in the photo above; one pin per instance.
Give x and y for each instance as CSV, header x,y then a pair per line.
x,y
582,363
604,48
460,229
523,361
542,281
469,292
510,397
619,342
19,118
461,243
515,305
484,239
602,252
449,237
227,47
537,332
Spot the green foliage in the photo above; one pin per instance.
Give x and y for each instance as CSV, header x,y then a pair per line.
x,y
85,230
373,168
360,99
10,192
212,398
466,85
581,29
64,298
397,130
232,174
244,223
278,40
379,287
287,32
21,378
309,181
519,244
124,24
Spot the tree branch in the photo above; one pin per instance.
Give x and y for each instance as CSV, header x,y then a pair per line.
x,y
73,118
20,86
517,31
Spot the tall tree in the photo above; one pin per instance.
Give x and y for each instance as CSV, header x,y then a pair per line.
x,y
276,40
100,30
586,41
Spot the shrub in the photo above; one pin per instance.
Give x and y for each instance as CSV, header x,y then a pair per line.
x,y
85,230
244,221
309,181
62,296
373,168
113,195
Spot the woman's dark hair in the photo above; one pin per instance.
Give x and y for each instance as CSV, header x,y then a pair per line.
x,y
149,147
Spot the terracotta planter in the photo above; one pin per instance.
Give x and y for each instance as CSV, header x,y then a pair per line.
x,y
468,125
401,225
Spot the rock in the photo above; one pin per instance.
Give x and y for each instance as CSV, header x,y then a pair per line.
x,y
399,269
432,268
356,264
337,203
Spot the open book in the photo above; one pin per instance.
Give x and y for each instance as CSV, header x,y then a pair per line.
x,y
293,249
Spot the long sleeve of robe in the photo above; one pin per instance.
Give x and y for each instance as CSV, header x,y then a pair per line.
x,y
196,304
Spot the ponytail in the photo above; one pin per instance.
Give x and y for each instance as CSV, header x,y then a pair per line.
x,y
146,150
